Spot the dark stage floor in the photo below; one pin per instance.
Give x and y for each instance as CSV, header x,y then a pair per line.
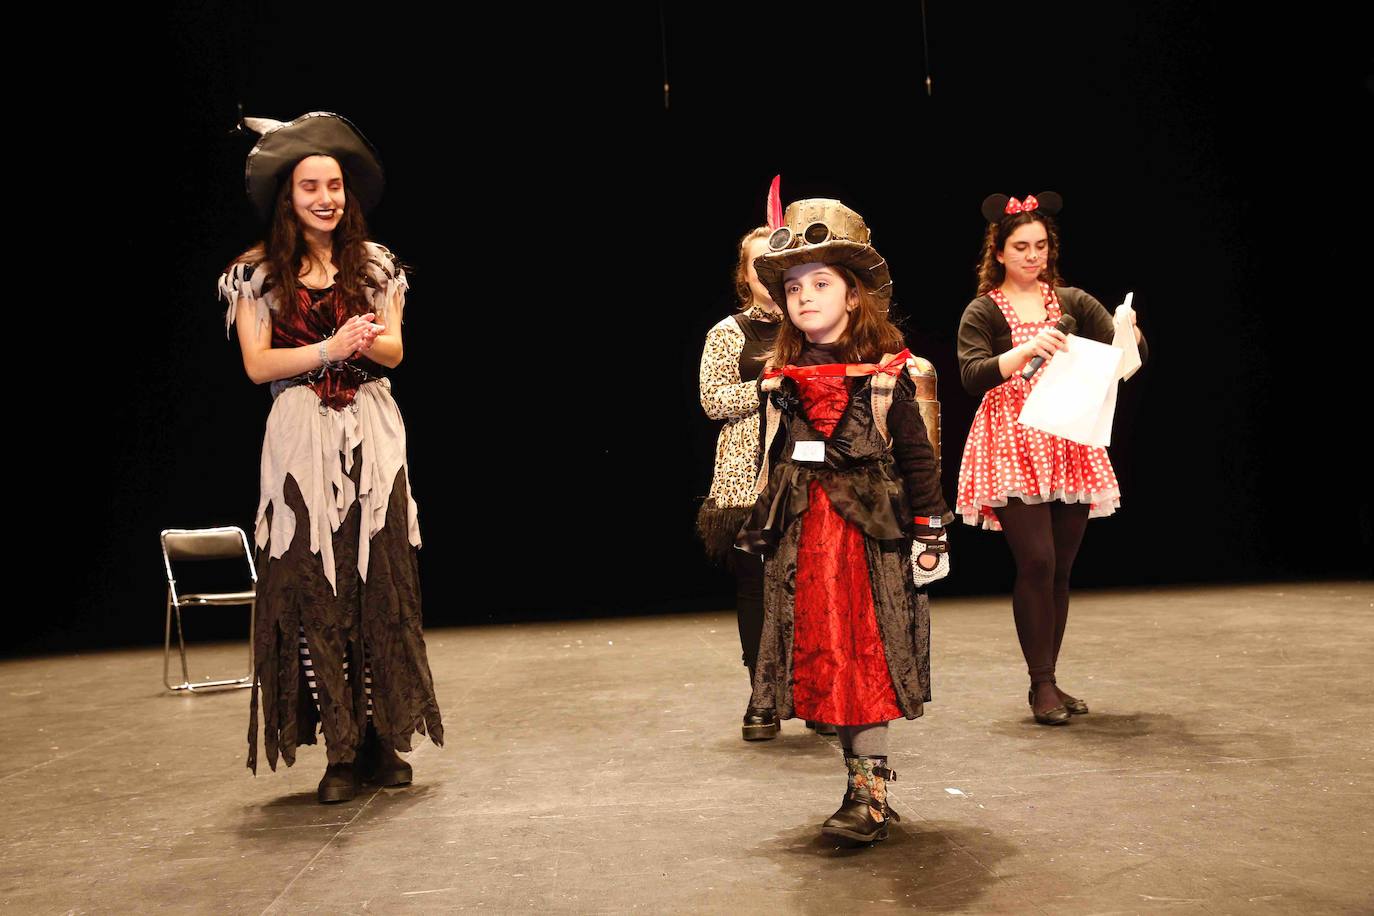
x,y
1227,767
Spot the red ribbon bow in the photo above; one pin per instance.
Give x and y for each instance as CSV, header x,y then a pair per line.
x,y
893,365
1017,206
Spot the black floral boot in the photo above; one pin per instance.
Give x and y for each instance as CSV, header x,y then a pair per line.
x,y
864,814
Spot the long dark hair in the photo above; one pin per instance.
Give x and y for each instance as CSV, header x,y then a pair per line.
x,y
867,335
284,251
991,273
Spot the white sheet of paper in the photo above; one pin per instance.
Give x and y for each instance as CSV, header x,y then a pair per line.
x,y
1102,429
809,451
1124,337
1075,397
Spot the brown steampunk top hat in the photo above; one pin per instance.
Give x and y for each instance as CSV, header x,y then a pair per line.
x,y
284,143
827,231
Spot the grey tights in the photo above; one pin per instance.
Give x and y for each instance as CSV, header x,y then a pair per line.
x,y
864,740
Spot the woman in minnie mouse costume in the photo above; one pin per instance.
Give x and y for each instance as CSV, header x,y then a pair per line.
x,y
318,310
849,480
1037,488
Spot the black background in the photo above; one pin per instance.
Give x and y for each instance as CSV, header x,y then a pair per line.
x,y
571,242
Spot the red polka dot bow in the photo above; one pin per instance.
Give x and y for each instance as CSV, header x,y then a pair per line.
x,y
1017,206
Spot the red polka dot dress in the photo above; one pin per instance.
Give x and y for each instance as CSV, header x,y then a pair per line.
x,y
1004,458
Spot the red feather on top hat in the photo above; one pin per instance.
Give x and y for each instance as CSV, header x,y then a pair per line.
x,y
773,209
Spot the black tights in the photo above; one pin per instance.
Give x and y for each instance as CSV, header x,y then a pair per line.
x,y
1044,539
748,570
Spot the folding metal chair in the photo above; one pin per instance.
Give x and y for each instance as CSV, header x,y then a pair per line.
x,y
196,544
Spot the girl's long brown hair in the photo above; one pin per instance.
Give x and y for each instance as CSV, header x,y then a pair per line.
x,y
284,251
991,273
867,335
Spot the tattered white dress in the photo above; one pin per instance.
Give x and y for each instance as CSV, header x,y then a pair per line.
x,y
336,532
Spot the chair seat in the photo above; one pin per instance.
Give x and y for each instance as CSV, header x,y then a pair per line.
x,y
218,598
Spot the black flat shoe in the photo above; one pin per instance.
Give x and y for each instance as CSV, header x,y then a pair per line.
x,y
760,724
1059,715
340,784
821,728
1074,705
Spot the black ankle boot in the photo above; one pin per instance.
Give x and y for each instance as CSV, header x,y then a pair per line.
x,y
864,814
760,724
340,784
379,764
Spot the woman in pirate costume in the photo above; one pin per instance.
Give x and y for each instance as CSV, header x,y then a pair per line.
x,y
849,481
1037,488
318,309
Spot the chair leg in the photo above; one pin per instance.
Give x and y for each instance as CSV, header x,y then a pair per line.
x,y
181,643
167,644
173,609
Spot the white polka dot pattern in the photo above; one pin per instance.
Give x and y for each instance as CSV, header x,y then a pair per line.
x,y
1005,459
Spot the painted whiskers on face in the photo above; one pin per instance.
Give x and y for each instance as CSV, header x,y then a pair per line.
x,y
1025,254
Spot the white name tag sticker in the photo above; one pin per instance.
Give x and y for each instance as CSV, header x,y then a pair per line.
x,y
809,451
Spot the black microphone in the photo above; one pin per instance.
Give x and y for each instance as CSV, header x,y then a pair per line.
x,y
1067,325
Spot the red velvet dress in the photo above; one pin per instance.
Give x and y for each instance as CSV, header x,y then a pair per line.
x,y
840,671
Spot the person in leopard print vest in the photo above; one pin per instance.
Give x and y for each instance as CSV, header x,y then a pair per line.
x,y
730,363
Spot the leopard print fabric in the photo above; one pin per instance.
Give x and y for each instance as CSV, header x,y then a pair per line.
x,y
725,397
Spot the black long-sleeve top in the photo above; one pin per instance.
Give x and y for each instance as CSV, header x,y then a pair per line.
x,y
984,335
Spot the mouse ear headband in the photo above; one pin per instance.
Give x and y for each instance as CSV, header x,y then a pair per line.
x,y
996,206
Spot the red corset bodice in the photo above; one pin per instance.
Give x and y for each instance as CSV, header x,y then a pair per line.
x,y
319,314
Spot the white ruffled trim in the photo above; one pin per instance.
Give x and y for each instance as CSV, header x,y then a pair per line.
x,y
1103,503
388,282
233,286
316,449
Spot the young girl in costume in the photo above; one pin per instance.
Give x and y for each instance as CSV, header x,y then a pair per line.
x,y
731,362
849,479
1037,488
318,311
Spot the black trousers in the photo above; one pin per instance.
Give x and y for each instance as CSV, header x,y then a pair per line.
x,y
748,570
